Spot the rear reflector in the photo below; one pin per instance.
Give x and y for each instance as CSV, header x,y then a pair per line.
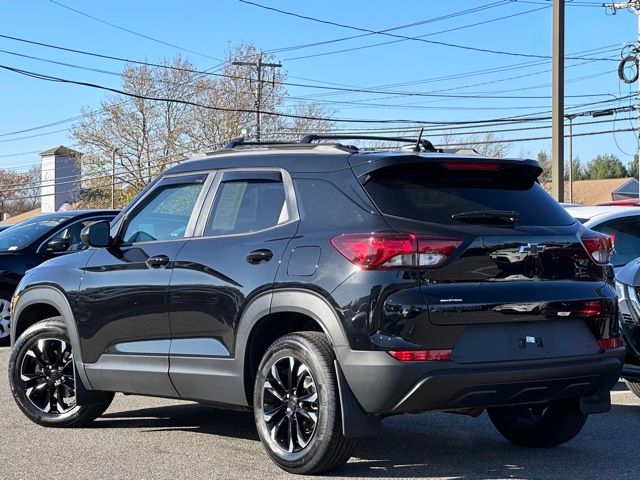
x,y
420,355
371,251
598,245
609,343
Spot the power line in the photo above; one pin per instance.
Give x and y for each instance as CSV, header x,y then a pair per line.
x,y
380,32
196,104
134,32
418,105
293,84
422,22
480,72
449,132
389,42
530,139
173,160
443,78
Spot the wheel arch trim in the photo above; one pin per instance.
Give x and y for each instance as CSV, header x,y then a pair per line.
x,y
296,300
46,294
314,306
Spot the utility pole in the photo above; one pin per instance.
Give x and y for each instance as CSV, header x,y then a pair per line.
x,y
557,102
634,6
113,178
260,66
571,116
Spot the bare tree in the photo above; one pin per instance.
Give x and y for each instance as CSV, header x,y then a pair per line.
x,y
145,135
12,191
148,136
488,144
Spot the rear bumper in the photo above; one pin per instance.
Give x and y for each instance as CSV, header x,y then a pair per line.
x,y
383,385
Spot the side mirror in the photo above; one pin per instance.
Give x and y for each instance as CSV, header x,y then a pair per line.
x,y
96,234
57,245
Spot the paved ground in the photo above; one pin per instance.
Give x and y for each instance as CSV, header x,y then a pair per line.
x,y
146,438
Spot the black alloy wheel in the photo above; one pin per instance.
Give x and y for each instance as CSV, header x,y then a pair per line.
x,y
47,376
290,404
43,379
296,405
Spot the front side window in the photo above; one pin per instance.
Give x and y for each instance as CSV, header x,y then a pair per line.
x,y
245,206
164,214
627,239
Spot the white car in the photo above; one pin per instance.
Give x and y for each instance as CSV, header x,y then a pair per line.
x,y
621,222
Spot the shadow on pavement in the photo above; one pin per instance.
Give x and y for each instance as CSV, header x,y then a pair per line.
x,y
188,417
428,445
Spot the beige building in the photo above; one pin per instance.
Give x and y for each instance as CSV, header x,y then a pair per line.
x,y
593,192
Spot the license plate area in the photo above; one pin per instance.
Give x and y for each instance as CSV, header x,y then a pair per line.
x,y
524,341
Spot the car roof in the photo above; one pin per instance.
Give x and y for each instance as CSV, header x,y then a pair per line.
x,y
598,214
75,213
320,157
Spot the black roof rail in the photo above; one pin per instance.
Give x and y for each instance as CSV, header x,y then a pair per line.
x,y
240,141
426,144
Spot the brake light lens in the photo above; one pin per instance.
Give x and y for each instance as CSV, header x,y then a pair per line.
x,y
599,246
609,343
371,251
591,309
420,355
475,166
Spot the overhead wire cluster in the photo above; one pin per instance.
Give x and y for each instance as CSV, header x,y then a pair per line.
x,y
324,90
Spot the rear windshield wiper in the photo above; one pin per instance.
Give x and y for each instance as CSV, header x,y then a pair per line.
x,y
487,216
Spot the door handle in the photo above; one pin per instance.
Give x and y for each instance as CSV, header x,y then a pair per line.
x,y
157,261
259,256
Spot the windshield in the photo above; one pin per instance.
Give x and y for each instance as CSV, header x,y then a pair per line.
x,y
24,233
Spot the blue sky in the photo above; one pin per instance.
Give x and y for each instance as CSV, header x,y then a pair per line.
x,y
209,27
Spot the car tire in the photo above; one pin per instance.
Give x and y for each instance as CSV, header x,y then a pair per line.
x,y
539,425
42,377
300,436
5,316
634,387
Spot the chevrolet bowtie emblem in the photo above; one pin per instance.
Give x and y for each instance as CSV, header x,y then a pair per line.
x,y
532,248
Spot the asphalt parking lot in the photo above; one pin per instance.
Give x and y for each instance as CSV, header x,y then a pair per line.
x,y
149,438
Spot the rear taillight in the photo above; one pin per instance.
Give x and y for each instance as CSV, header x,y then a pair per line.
x,y
420,355
599,246
434,251
394,250
591,309
609,343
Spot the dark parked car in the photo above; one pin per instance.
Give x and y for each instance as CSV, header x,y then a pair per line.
x,y
628,286
325,288
31,242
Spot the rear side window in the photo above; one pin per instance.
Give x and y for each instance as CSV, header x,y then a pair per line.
x,y
431,194
324,206
627,239
245,206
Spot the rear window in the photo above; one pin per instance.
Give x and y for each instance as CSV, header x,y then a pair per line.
x,y
430,193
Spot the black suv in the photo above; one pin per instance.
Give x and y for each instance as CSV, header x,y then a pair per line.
x,y
31,242
325,288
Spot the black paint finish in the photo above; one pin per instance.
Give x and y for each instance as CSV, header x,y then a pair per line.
x,y
195,292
